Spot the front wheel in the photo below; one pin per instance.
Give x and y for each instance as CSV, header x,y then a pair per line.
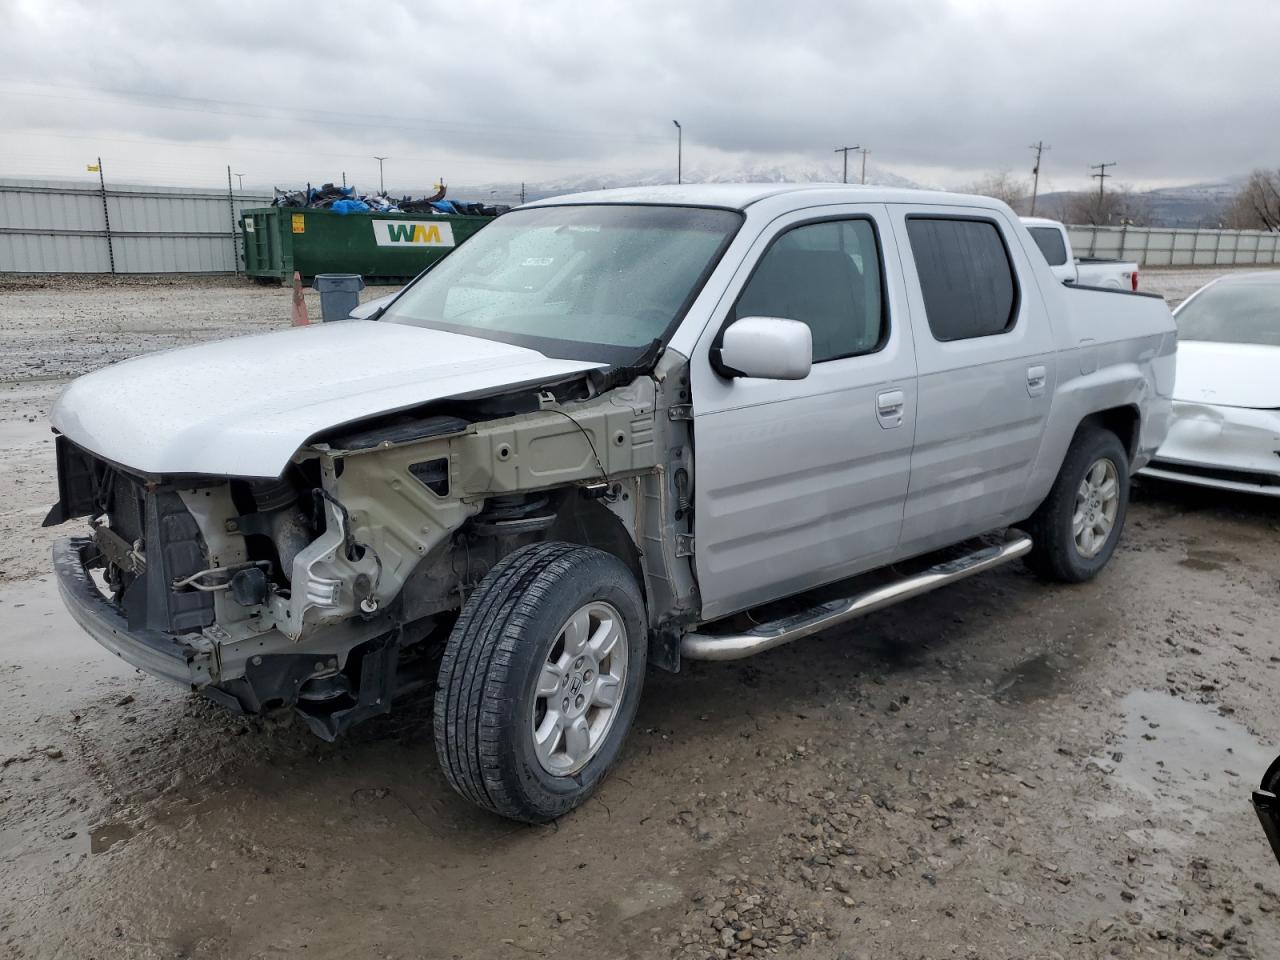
x,y
540,680
1075,531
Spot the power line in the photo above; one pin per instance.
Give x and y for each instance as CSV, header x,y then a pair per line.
x,y
223,150
275,113
845,150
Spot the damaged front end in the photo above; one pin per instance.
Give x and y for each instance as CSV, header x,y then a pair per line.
x,y
252,592
328,589
1266,803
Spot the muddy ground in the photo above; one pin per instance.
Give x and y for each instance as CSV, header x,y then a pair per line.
x,y
1001,769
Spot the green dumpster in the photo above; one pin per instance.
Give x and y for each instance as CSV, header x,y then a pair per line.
x,y
381,247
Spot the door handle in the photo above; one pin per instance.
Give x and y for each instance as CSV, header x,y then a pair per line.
x,y
889,406
1036,377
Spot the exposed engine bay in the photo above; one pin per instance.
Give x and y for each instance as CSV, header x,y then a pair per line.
x,y
325,588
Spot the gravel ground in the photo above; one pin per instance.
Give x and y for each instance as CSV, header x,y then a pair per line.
x,y
1000,769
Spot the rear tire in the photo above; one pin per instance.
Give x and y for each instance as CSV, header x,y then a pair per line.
x,y
1075,531
540,680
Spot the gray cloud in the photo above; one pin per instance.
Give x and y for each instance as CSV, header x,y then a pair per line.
x,y
1171,91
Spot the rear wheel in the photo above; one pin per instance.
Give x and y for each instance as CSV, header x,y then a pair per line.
x,y
1075,531
540,680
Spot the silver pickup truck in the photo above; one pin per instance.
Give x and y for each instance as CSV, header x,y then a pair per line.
x,y
610,431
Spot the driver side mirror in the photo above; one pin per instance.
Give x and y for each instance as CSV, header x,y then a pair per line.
x,y
770,348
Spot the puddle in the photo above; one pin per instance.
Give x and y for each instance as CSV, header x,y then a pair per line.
x,y
1208,560
1184,756
1031,679
25,433
106,835
644,896
42,640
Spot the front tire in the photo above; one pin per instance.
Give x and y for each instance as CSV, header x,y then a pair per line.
x,y
540,680
1075,531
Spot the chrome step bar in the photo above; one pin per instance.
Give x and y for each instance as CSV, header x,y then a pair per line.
x,y
766,636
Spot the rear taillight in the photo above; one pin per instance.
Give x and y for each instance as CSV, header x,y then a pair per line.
x,y
1135,281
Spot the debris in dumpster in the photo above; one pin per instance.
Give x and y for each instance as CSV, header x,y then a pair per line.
x,y
351,206
346,200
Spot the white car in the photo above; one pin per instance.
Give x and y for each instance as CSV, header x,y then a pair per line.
x,y
1226,398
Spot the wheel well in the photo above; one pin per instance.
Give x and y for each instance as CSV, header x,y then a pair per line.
x,y
1124,422
591,524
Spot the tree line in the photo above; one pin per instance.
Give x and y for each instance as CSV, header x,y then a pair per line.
x,y
1256,206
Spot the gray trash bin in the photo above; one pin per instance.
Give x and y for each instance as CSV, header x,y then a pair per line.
x,y
339,294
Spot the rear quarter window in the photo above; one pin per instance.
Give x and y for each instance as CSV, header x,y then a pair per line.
x,y
966,277
1051,244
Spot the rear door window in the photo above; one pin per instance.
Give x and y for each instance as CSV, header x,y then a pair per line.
x,y
966,277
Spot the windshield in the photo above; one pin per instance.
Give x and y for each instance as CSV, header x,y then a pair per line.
x,y
577,282
1241,312
1051,244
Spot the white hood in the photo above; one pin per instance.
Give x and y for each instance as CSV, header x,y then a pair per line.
x,y
1228,374
243,407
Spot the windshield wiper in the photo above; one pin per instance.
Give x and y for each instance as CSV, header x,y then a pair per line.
x,y
620,373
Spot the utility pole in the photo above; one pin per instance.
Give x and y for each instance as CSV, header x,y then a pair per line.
x,y
106,216
240,177
1101,175
522,193
231,199
679,152
863,151
845,150
1039,148
381,186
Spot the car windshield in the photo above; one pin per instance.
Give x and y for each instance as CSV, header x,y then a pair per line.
x,y
1246,311
598,282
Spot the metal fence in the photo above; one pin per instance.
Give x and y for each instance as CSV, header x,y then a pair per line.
x,y
1172,247
56,226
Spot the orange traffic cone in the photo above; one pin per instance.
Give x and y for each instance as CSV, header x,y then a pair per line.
x,y
300,318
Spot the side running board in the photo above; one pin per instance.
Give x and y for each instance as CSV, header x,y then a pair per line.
x,y
766,636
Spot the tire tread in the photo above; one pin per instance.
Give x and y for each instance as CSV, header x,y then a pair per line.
x,y
1053,546
474,699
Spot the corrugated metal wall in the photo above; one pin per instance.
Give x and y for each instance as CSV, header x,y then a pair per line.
x,y
52,226
1168,247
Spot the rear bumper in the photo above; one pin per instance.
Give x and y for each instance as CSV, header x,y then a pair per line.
x,y
160,654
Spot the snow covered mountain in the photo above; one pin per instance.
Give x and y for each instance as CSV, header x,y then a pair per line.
x,y
744,171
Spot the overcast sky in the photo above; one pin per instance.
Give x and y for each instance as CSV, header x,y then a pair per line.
x,y
941,91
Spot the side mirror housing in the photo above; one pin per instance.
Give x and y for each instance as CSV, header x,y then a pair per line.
x,y
770,348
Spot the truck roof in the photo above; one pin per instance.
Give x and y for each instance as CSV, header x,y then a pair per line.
x,y
739,196
1040,222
